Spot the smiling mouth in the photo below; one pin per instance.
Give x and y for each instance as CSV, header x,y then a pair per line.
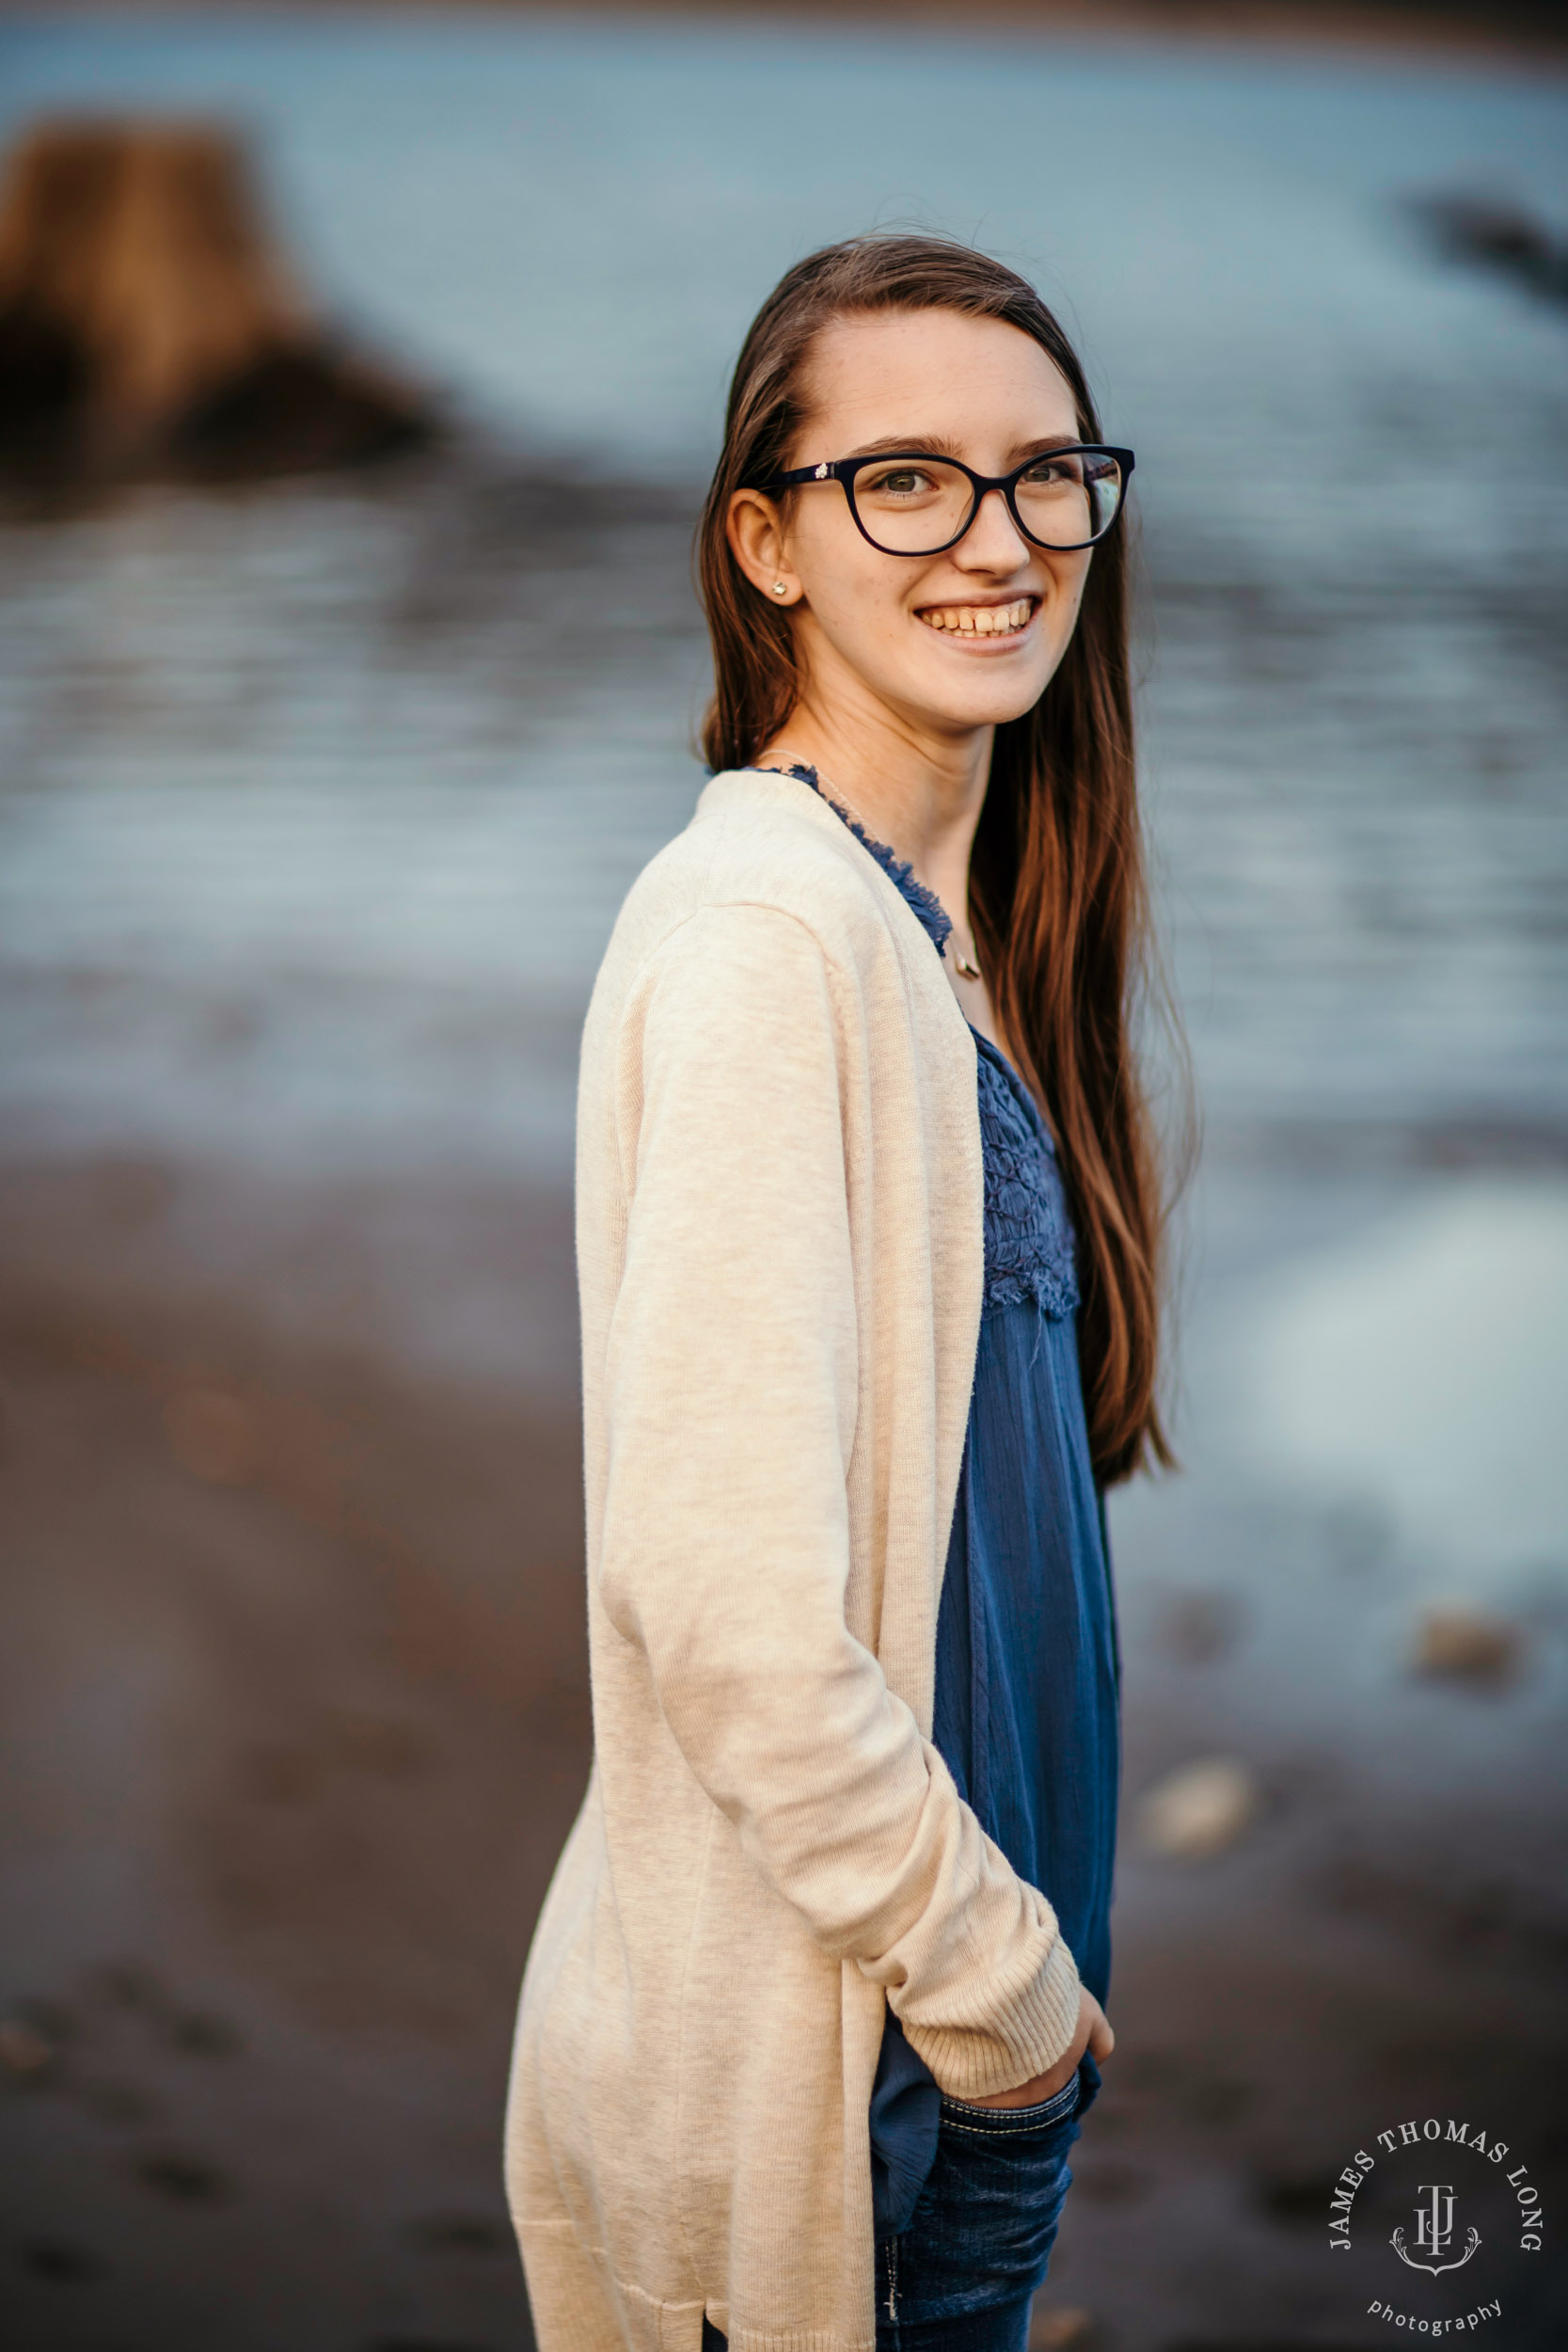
x,y
981,620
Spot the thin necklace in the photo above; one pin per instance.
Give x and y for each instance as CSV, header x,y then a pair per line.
x,y
964,965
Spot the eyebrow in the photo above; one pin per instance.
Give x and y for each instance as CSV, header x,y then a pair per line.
x,y
942,445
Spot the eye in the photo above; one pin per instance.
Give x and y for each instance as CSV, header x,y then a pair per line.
x,y
1051,472
899,482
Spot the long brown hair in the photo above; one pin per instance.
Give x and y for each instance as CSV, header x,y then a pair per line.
x,y
1059,895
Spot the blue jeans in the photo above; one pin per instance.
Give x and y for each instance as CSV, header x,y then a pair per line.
x,y
963,2276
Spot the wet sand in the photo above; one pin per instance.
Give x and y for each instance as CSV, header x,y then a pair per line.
x,y
297,1717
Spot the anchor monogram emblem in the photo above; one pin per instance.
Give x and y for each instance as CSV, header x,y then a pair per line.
x,y
1435,2234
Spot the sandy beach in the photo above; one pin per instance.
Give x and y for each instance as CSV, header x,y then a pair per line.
x,y
297,1717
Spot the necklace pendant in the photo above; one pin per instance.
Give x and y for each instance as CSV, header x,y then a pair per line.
x,y
962,966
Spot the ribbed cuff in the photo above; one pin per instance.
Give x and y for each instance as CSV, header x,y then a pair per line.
x,y
1024,2029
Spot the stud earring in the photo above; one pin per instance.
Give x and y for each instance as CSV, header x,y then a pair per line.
x,y
779,588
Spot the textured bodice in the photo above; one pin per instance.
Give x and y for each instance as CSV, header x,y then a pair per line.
x,y
1029,1252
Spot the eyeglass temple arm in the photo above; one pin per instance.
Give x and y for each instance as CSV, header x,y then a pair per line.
x,y
824,473
836,468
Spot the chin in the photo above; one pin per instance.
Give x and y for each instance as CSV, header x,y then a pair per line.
x,y
1006,700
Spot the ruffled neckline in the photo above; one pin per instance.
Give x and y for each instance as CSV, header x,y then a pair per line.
x,y
923,903
1029,1241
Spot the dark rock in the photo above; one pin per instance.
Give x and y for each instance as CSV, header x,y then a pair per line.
x,y
1498,236
185,2180
149,325
61,2262
464,2233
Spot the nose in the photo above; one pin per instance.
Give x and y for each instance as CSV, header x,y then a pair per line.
x,y
993,542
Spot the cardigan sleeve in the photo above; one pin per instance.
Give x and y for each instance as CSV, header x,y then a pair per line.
x,y
733,1379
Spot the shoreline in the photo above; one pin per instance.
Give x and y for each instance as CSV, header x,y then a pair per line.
x,y
1523,36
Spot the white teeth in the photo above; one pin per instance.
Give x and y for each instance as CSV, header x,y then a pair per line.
x,y
981,620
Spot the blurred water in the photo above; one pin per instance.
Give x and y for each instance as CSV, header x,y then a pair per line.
x,y
317,804
1427,1363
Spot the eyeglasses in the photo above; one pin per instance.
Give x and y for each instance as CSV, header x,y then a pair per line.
x,y
912,503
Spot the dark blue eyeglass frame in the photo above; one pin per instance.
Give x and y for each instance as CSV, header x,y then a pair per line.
x,y
844,469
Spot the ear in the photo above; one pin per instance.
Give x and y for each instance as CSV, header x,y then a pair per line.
x,y
756,537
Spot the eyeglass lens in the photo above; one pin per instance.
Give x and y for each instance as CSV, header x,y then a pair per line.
x,y
913,506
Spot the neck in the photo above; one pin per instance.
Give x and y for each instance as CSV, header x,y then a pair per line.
x,y
921,795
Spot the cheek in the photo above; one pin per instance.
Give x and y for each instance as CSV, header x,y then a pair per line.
x,y
1066,599
1069,582
852,595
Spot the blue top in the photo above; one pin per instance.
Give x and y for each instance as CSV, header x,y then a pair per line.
x,y
1026,1670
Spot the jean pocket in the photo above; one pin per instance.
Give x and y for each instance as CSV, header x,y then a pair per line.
x,y
961,2115
982,2231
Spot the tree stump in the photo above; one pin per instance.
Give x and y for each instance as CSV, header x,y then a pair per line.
x,y
148,324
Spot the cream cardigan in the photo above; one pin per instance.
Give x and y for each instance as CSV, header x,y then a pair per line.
x,y
780,1251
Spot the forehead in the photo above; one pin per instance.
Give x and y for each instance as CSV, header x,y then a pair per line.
x,y
930,373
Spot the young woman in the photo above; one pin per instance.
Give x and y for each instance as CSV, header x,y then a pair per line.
x,y
867,1232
